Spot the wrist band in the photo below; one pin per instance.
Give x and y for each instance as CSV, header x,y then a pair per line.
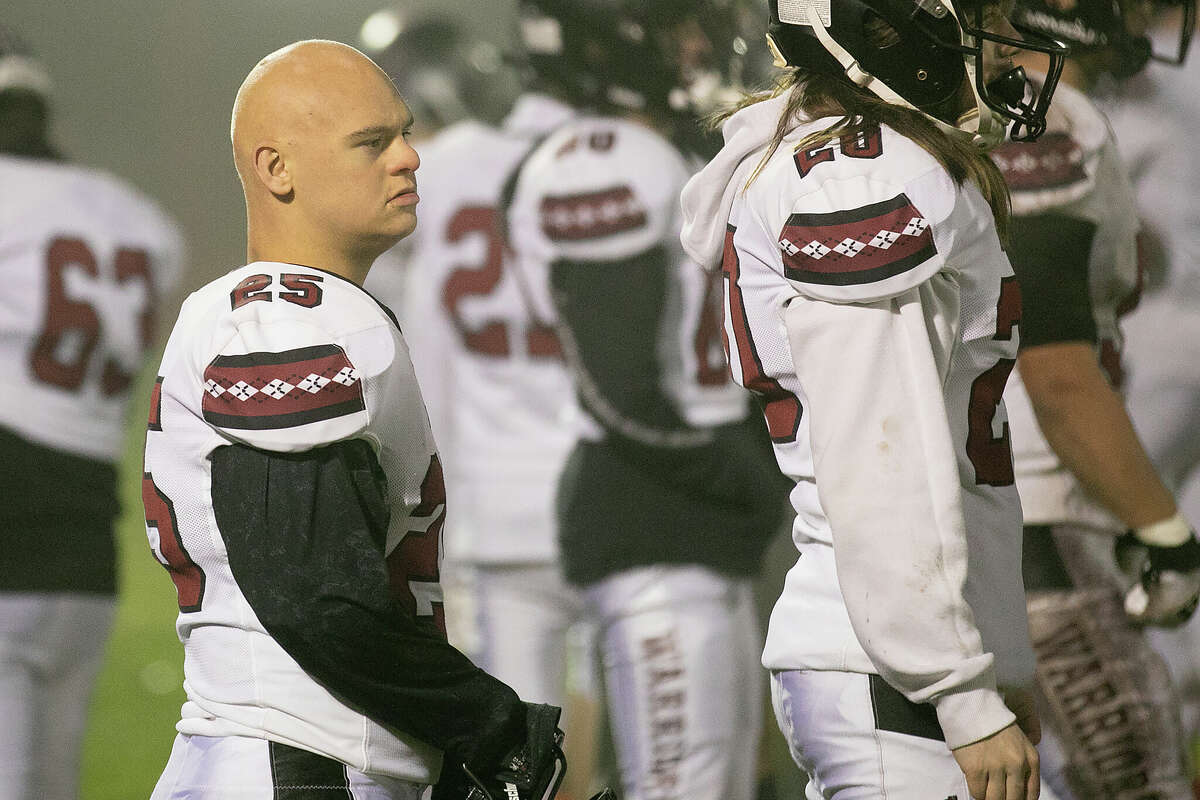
x,y
1170,532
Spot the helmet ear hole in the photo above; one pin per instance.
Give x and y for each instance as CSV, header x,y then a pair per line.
x,y
878,32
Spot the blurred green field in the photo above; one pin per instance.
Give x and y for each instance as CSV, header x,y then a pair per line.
x,y
140,689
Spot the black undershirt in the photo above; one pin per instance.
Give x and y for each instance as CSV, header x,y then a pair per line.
x,y
655,490
57,512
305,535
1050,254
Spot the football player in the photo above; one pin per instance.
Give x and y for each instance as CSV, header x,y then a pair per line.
x,y
1080,469
494,382
293,491
1150,112
668,496
86,260
853,214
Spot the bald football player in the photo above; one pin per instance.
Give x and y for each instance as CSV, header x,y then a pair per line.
x,y
293,491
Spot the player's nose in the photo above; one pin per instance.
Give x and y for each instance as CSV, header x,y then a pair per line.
x,y
402,157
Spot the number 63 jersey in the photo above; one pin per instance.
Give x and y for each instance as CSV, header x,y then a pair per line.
x,y
85,261
284,359
871,308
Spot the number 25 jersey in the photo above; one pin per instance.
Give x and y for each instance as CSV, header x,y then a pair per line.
x,y
285,358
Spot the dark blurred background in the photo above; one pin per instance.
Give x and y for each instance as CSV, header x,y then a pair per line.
x,y
143,88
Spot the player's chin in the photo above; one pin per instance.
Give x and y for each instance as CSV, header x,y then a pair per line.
x,y
400,221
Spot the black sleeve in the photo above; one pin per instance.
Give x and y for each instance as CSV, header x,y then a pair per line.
x,y
1050,255
305,535
612,313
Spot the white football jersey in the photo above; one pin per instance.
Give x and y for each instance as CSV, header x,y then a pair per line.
x,y
492,376
1073,170
869,305
284,358
86,262
607,189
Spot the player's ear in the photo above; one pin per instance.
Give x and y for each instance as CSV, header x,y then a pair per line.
x,y
272,169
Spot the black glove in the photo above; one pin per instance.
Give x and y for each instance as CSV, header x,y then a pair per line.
x,y
532,770
1165,586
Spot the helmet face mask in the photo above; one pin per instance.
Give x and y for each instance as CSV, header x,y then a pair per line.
x,y
1114,28
934,58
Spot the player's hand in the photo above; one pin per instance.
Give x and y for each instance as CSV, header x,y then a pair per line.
x,y
1165,580
1003,766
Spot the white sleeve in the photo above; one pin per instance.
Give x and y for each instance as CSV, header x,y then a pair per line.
x,y
885,469
287,385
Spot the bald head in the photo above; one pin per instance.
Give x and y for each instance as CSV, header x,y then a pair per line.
x,y
319,142
294,91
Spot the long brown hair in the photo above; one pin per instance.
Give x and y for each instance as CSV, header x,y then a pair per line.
x,y
814,95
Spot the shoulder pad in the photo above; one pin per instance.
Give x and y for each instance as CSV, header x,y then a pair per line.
x,y
866,245
857,237
283,355
603,189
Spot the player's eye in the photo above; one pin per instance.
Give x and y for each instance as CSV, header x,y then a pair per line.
x,y
374,143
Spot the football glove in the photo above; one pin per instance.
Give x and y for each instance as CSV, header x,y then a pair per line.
x,y
1165,580
532,771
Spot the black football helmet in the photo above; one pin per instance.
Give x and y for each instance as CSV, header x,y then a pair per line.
x,y
670,56
444,72
24,100
1117,25
939,48
19,69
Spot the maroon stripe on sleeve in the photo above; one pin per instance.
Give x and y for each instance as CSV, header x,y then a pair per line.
x,y
259,391
591,215
861,245
1053,161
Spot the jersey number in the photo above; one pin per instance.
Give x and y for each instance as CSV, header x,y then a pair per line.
x,y
492,338
71,327
864,144
301,290
168,548
413,569
712,367
781,408
991,455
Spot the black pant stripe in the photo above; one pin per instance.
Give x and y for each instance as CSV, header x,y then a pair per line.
x,y
896,713
300,775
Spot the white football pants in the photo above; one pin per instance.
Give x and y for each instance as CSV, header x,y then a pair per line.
x,y
829,721
523,615
51,647
680,651
242,768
